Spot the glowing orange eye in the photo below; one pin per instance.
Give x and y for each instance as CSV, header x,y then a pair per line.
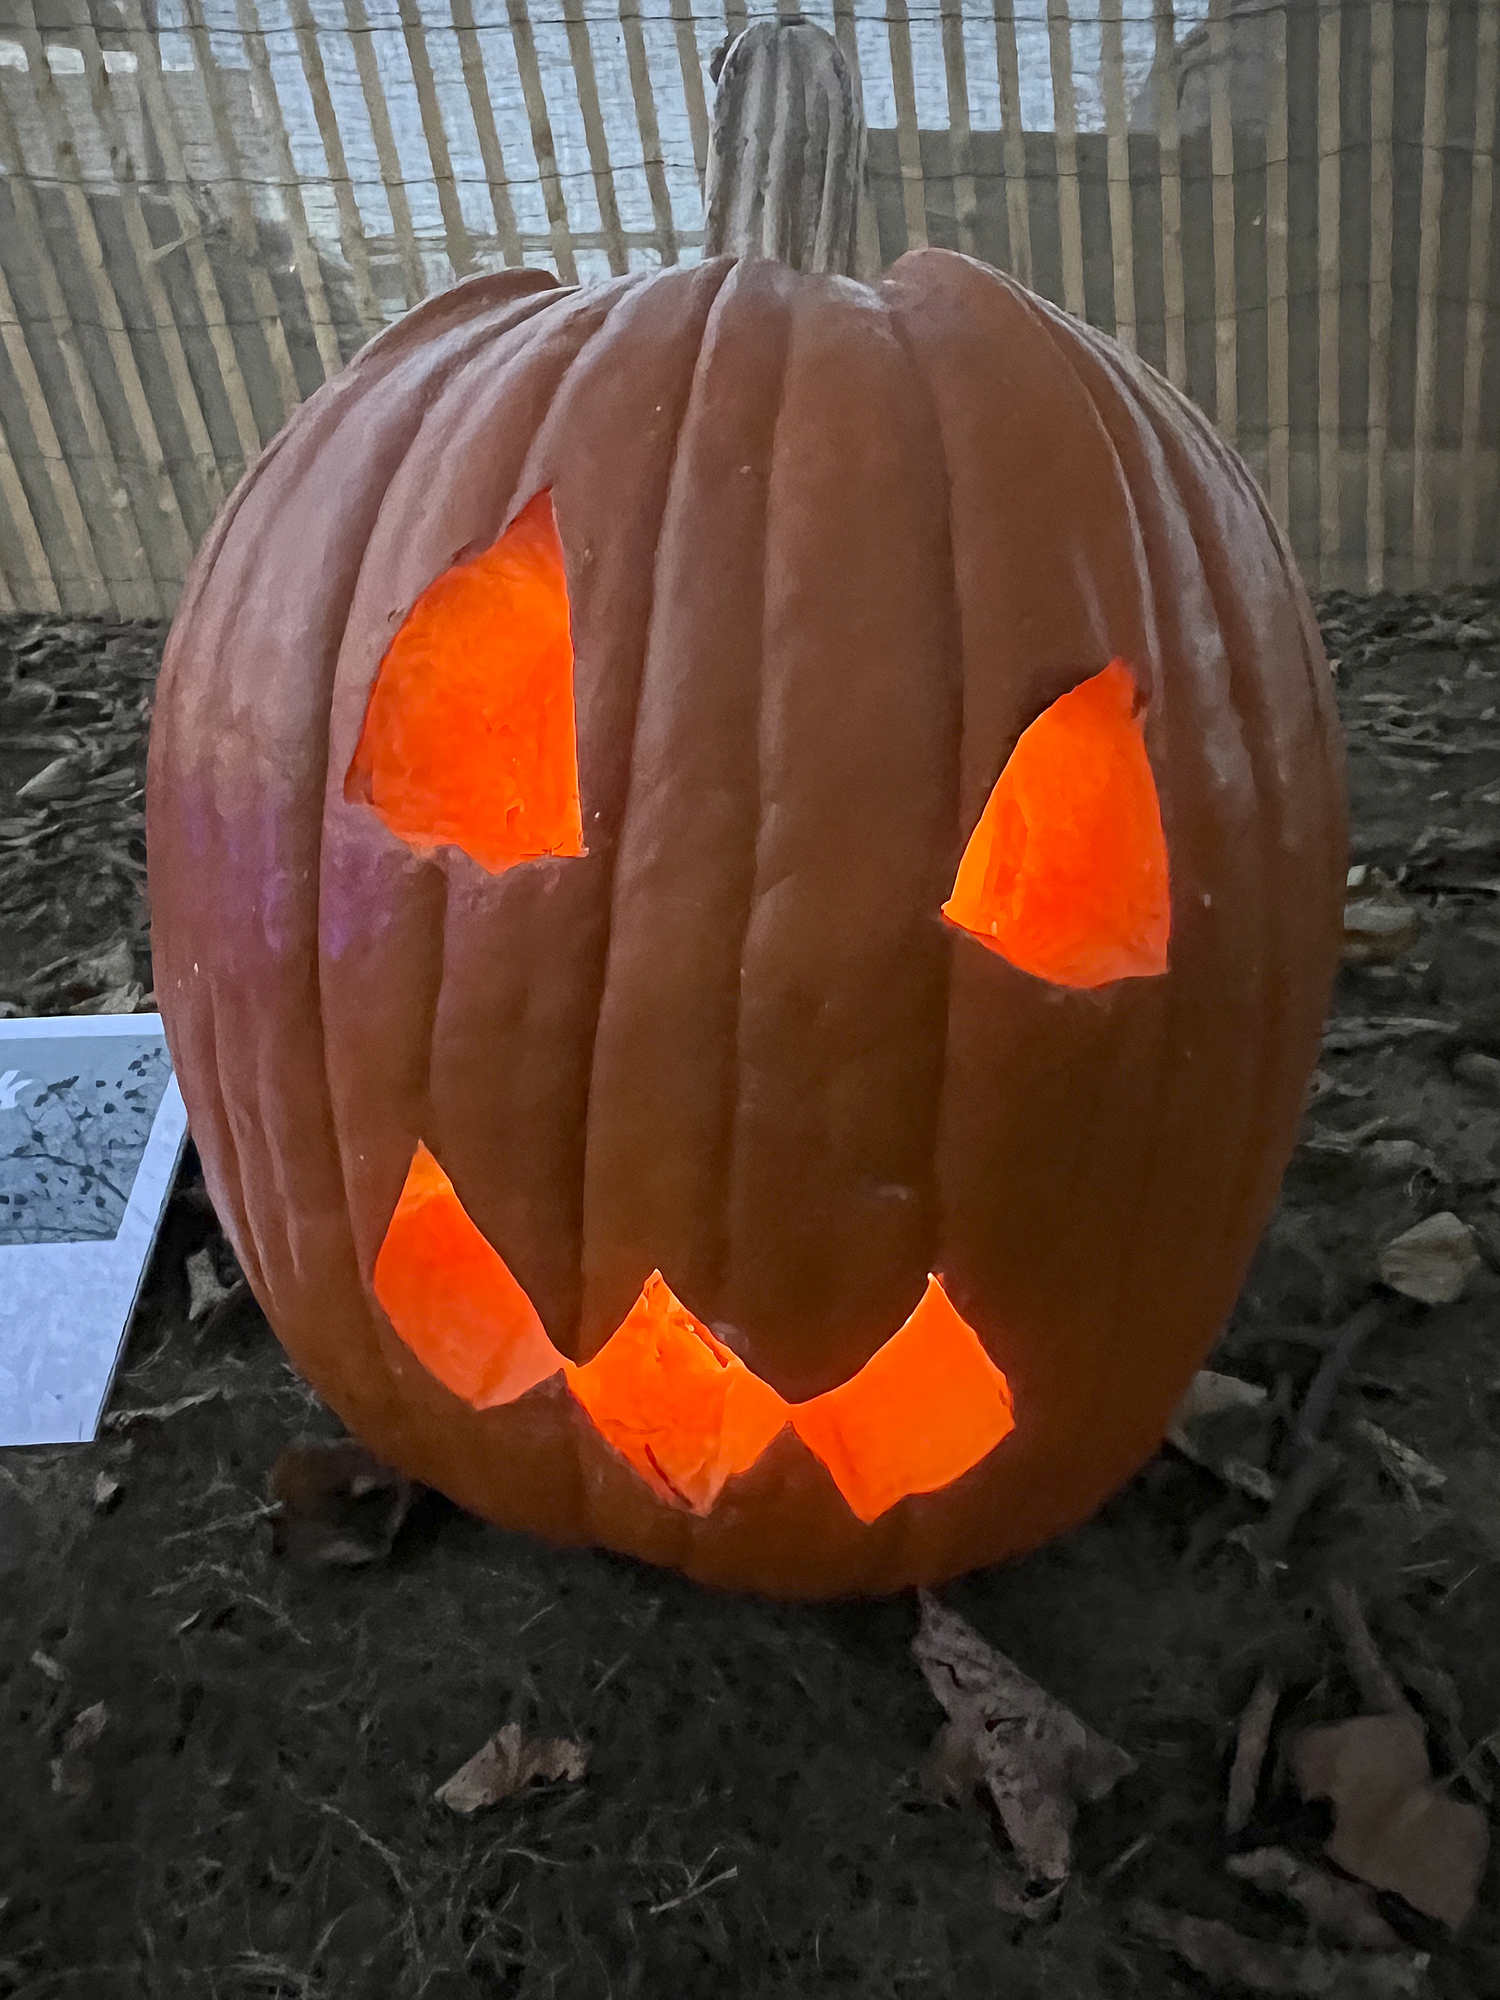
x,y
1066,873
469,740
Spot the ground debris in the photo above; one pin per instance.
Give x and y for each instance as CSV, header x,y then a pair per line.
x,y
72,1769
1432,1261
1393,1827
1221,1424
1380,924
1341,1911
508,1762
1252,1739
1229,1959
1010,1738
205,1287
160,1413
335,1506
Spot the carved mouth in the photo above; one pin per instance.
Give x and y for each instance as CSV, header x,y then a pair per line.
x,y
685,1412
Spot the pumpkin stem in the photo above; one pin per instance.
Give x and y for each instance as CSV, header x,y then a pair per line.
x,y
786,152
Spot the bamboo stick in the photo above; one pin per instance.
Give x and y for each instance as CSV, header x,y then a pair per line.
x,y
1117,127
1330,21
1013,142
1169,144
1382,227
1481,211
455,229
1424,441
542,144
1278,372
1065,136
1226,289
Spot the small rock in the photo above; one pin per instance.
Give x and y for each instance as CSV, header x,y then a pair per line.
x,y
1433,1261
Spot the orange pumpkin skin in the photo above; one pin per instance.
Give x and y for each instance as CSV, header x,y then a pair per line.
x,y
829,549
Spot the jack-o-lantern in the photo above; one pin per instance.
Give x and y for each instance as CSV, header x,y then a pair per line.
x,y
745,871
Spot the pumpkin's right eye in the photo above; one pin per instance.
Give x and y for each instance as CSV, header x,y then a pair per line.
x,y
1066,873
469,739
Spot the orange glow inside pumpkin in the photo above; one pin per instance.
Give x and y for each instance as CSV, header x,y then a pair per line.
x,y
683,1410
1066,873
469,739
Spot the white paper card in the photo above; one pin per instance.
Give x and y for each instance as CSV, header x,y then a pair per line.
x,y
91,1131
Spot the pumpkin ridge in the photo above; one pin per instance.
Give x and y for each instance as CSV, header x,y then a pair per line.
x,y
1275,831
719,275
1178,490
718,1206
1061,336
937,1221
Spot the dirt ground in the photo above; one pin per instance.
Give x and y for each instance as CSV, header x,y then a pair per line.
x,y
255,1819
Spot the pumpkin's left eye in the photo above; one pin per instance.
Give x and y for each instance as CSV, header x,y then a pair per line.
x,y
469,740
1065,874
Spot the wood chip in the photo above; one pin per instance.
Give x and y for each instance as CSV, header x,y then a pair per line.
x,y
1251,1741
1034,1757
72,1772
1433,1261
506,1763
205,1289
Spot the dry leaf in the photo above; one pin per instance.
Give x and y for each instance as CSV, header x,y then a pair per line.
x,y
1433,1261
107,1490
71,1773
1036,1759
1393,1827
1227,1958
205,1289
507,1762
1337,1909
337,1507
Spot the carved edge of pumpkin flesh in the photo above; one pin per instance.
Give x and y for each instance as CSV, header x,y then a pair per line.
x,y
786,151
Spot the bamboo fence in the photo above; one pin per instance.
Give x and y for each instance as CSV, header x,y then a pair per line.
x,y
206,206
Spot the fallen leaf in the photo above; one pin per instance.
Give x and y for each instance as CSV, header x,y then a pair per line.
x,y
1035,1758
1227,1958
507,1762
1393,1827
107,1490
205,1288
336,1506
1340,1910
1433,1261
72,1776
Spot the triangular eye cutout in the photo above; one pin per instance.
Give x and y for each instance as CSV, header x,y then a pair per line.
x,y
1066,873
469,739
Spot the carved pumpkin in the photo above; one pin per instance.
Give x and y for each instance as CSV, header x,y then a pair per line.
x,y
745,875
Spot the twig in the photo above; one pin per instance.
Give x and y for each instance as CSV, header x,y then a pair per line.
x,y
1318,1402
1251,1741
698,1889
1379,1690
1266,1540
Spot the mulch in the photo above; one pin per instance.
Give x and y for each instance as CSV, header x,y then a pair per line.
x,y
251,1814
